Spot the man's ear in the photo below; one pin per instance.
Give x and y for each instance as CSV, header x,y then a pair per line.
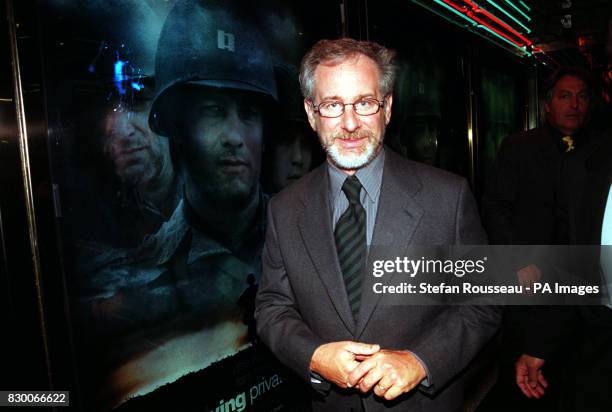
x,y
388,105
311,114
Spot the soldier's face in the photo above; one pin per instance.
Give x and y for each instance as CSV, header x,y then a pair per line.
x,y
223,142
568,107
292,158
351,141
138,154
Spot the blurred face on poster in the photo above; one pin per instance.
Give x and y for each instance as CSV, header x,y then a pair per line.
x,y
221,144
138,155
292,157
420,135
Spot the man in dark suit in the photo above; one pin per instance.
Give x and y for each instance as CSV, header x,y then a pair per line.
x,y
518,205
584,218
519,209
313,306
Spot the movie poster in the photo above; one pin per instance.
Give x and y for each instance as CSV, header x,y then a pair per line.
x,y
171,125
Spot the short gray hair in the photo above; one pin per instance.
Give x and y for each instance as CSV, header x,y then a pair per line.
x,y
335,51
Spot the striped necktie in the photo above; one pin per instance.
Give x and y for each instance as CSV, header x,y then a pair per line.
x,y
350,236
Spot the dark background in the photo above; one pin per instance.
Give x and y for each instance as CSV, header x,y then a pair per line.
x,y
449,77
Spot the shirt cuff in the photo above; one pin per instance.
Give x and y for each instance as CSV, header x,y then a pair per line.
x,y
319,384
315,377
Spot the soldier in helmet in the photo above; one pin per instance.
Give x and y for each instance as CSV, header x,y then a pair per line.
x,y
149,188
216,78
215,83
292,155
294,149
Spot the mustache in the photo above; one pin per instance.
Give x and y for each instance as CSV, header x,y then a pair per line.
x,y
359,134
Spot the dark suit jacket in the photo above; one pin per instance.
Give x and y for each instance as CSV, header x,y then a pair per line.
x,y
302,302
583,190
583,187
518,204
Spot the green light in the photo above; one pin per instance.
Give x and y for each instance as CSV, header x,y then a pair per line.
x,y
524,5
473,26
509,15
440,2
513,50
519,10
501,37
439,14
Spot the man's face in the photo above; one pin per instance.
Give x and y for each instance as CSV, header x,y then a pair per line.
x,y
569,105
221,146
292,158
138,154
351,141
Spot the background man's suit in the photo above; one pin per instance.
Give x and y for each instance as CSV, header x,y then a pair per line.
x,y
583,190
518,205
302,302
518,208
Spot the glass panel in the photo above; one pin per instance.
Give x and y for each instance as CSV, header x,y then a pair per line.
x,y
429,110
501,89
500,114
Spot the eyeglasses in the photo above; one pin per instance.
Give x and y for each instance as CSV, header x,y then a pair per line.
x,y
363,107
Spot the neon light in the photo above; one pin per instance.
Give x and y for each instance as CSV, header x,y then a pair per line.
x,y
478,9
509,15
474,25
524,5
119,77
519,10
491,28
526,52
119,64
483,23
501,37
512,50
441,15
463,16
137,86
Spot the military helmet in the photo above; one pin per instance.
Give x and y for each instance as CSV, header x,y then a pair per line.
x,y
209,43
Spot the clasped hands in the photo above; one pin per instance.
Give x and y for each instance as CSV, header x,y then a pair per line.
x,y
367,367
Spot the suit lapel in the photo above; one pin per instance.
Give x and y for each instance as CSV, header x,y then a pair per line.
x,y
397,218
315,227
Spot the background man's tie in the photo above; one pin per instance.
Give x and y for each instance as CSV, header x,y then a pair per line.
x,y
569,143
350,235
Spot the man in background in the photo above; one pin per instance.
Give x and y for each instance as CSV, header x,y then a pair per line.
x,y
583,332
518,208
